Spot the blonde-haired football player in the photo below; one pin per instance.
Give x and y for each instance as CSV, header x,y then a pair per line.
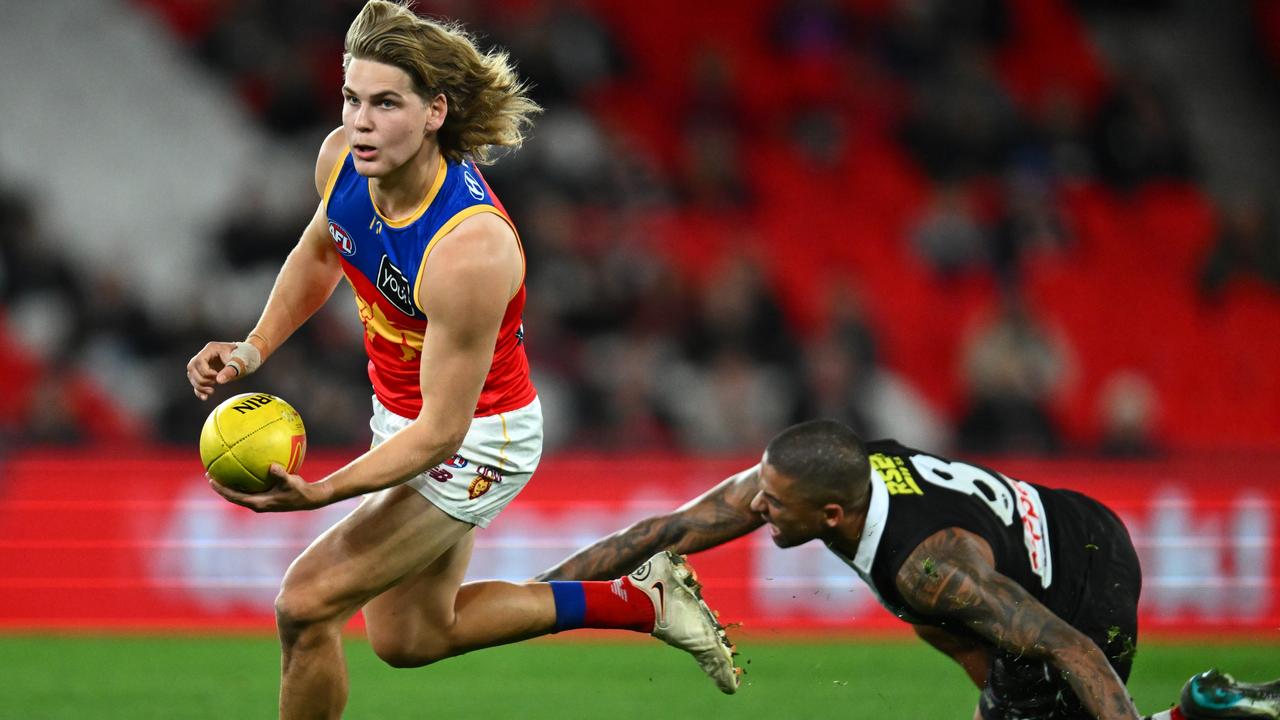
x,y
438,275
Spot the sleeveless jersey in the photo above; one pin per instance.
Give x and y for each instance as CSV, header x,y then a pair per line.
x,y
384,261
915,494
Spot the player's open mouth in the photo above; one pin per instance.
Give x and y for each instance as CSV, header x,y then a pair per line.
x,y
364,152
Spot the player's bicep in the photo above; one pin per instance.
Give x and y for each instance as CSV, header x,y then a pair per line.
x,y
951,576
721,514
315,246
314,257
316,239
466,295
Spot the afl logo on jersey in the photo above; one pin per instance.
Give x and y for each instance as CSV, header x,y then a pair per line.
x,y
342,239
473,185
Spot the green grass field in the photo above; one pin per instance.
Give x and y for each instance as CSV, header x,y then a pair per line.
x,y
78,677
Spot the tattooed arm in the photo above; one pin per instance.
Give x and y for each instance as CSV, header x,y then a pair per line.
x,y
952,575
722,514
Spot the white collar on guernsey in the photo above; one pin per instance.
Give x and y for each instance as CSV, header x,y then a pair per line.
x,y
873,526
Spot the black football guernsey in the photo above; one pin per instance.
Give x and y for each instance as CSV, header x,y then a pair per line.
x,y
1039,536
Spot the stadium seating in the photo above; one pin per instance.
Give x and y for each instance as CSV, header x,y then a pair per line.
x,y
1122,289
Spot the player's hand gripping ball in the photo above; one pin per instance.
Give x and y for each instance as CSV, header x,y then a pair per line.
x,y
246,434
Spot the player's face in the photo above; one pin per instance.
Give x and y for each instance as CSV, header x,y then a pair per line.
x,y
793,519
385,121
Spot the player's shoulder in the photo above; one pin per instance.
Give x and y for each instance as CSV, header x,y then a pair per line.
x,y
735,491
332,151
745,484
479,250
748,478
742,485
483,234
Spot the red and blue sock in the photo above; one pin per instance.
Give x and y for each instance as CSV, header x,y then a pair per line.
x,y
613,604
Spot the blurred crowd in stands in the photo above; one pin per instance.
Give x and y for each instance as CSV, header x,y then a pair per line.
x,y
644,344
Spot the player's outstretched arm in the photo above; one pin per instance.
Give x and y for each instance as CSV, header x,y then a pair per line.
x,y
305,282
718,516
952,575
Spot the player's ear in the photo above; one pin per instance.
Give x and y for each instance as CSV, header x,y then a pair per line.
x,y
832,514
437,111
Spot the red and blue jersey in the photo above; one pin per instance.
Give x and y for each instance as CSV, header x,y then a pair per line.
x,y
383,259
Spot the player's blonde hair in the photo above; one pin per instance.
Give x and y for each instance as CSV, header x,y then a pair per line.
x,y
488,105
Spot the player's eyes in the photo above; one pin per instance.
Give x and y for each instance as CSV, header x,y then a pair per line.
x,y
351,100
387,104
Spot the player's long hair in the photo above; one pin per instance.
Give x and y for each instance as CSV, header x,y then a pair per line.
x,y
488,105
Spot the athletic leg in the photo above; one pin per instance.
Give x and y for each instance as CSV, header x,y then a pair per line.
x,y
387,538
431,616
428,614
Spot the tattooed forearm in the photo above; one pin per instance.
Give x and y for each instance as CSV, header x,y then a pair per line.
x,y
951,575
713,519
1085,668
620,553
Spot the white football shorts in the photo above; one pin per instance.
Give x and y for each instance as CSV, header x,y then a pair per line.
x,y
495,462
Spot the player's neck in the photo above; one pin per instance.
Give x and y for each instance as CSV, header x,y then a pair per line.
x,y
846,536
400,192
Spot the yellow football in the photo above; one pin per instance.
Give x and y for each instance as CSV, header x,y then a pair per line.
x,y
246,434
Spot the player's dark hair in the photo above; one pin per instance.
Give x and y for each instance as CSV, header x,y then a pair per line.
x,y
826,458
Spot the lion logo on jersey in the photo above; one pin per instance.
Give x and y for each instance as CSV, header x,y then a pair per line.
x,y
486,476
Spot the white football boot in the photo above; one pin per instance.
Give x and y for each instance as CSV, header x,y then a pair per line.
x,y
682,618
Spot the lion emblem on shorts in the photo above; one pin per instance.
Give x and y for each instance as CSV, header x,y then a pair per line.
x,y
486,477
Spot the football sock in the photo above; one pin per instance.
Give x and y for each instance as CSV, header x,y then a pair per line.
x,y
1172,713
602,604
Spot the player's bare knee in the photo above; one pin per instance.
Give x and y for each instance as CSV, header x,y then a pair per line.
x,y
298,610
